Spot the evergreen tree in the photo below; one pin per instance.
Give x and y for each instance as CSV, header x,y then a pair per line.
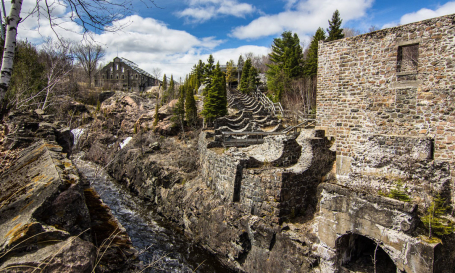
x,y
245,76
253,80
208,73
433,220
335,31
311,63
179,109
190,106
164,82
199,74
215,103
231,71
286,61
171,90
165,94
28,76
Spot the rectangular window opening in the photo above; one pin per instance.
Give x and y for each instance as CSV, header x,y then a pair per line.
x,y
408,58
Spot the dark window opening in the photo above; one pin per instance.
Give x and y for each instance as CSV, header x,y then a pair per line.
x,y
360,254
123,77
408,58
116,77
136,76
111,76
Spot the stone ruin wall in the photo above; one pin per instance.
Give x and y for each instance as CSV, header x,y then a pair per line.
x,y
281,189
232,180
391,125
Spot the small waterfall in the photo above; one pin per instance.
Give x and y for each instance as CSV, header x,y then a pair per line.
x,y
77,133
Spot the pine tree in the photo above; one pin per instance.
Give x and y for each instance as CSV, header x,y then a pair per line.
x,y
245,76
286,63
215,103
311,63
199,74
253,80
179,109
171,90
335,31
208,73
230,72
433,220
164,82
190,107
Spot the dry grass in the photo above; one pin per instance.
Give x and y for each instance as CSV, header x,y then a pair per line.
x,y
218,150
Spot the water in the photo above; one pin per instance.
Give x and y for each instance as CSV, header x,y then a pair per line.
x,y
77,133
168,248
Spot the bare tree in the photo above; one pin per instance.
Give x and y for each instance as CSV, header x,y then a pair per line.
x,y
156,72
40,76
58,60
351,32
91,15
373,28
88,56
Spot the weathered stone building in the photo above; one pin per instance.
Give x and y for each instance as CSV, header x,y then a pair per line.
x,y
123,74
387,99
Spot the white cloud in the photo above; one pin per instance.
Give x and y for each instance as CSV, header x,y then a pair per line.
x,y
148,42
36,25
302,17
202,10
149,35
424,13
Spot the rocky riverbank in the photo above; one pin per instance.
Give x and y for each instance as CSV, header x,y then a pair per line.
x,y
53,221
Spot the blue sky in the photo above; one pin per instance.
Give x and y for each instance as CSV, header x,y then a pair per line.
x,y
175,36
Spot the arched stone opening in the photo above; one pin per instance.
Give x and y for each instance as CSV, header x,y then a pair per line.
x,y
357,253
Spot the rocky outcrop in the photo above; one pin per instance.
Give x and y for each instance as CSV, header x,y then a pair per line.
x,y
25,128
50,217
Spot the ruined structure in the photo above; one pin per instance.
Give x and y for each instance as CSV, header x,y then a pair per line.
x,y
123,74
387,99
386,122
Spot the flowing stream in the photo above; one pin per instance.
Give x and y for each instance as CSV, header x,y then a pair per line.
x,y
166,247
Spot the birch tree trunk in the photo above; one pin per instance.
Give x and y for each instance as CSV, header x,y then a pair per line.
x,y
12,21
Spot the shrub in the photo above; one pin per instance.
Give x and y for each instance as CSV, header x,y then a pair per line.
x,y
434,223
399,193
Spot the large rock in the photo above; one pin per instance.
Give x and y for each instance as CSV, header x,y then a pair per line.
x,y
24,128
46,224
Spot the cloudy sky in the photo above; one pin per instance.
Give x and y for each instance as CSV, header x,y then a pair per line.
x,y
175,34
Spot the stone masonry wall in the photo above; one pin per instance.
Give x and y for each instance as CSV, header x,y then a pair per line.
x,y
268,188
362,93
388,221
